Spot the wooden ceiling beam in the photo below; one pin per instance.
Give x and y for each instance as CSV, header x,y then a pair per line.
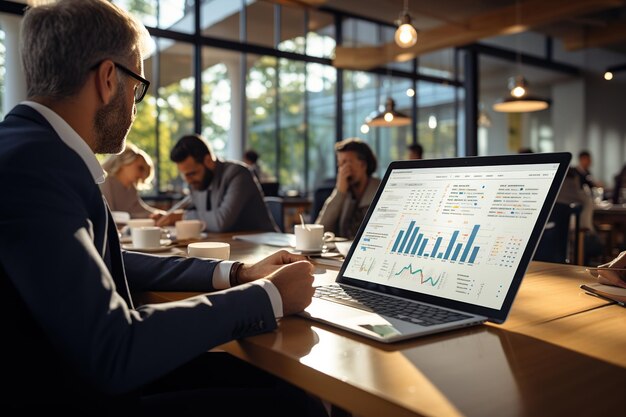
x,y
299,3
614,32
497,22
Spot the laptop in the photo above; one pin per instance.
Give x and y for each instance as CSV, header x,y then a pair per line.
x,y
444,245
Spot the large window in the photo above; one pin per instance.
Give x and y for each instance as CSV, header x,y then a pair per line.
x,y
283,108
266,82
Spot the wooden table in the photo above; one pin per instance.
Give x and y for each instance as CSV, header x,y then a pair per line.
x,y
561,352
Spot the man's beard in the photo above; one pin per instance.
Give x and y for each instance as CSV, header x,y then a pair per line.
x,y
112,123
206,179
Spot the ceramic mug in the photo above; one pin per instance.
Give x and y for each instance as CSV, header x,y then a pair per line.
x,y
146,237
189,229
311,237
212,250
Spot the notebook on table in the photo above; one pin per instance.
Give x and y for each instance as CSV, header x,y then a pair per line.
x,y
445,244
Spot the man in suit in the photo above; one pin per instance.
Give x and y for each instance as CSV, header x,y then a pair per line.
x,y
72,333
226,196
583,171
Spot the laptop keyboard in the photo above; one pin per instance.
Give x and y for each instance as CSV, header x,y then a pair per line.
x,y
422,314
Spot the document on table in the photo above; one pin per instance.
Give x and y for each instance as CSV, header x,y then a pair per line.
x,y
608,292
270,238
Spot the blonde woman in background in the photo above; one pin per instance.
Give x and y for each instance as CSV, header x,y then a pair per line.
x,y
127,173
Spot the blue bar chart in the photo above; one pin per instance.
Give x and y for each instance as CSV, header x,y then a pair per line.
x,y
456,248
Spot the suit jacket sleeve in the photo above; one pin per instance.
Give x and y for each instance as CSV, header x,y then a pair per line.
x,y
52,250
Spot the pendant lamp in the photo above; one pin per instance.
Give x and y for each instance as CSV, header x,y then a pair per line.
x,y
388,116
519,99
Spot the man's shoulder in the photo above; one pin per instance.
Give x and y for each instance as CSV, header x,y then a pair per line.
x,y
230,164
235,168
24,137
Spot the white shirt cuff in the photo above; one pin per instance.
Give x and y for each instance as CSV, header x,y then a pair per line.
x,y
221,275
274,294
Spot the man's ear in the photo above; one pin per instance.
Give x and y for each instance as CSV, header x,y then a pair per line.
x,y
209,162
106,81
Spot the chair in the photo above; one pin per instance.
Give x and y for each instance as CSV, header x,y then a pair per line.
x,y
270,189
560,242
320,195
275,205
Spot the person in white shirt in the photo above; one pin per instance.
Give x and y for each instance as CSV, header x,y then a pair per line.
x,y
78,343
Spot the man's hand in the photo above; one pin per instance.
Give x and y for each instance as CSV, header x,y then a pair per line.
x,y
291,274
267,266
167,219
616,278
343,178
295,284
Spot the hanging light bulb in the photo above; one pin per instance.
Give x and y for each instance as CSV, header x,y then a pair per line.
x,y
406,34
388,116
432,121
614,71
519,100
518,86
483,117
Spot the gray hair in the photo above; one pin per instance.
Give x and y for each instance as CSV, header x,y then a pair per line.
x,y
62,42
115,162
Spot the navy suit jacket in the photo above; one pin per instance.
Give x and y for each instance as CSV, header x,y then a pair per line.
x,y
68,323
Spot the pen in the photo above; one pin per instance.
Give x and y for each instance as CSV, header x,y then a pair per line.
x,y
595,271
181,204
593,294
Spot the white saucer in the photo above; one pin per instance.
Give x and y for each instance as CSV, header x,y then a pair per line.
x,y
313,252
165,246
202,236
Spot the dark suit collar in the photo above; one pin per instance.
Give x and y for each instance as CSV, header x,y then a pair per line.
x,y
27,112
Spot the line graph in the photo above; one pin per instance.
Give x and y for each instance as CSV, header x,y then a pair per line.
x,y
412,271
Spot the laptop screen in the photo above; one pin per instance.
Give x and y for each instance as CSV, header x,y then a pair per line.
x,y
460,232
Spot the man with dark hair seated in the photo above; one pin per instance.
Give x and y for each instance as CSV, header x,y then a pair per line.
x,y
225,194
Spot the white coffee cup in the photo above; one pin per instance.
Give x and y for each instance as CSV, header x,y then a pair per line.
x,y
189,229
146,237
212,250
131,223
120,217
311,237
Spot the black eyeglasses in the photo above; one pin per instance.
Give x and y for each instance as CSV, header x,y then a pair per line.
x,y
140,89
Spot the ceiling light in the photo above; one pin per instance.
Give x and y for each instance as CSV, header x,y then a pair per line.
x,y
388,116
432,122
406,34
612,72
483,117
519,100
